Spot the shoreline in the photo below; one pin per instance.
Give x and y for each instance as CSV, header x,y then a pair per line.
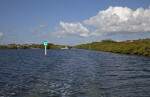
x,y
141,47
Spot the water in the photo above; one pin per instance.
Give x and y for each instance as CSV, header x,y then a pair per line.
x,y
73,73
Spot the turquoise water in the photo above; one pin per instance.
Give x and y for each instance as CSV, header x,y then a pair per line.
x,y
73,73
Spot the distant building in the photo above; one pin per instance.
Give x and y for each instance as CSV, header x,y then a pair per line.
x,y
131,40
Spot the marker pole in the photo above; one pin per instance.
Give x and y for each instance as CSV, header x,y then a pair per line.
x,y
45,50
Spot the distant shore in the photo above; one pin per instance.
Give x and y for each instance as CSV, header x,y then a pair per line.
x,y
32,46
134,47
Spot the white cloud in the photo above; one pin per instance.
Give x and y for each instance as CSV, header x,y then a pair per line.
x,y
70,29
120,20
1,35
42,25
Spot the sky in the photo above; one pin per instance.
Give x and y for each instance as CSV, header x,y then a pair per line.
x,y
73,22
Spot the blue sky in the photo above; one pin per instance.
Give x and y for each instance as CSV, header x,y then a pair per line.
x,y
72,22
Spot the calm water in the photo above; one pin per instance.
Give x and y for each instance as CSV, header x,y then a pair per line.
x,y
73,73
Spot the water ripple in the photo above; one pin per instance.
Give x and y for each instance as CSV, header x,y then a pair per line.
x,y
73,73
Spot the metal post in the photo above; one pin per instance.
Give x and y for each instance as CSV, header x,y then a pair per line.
x,y
45,50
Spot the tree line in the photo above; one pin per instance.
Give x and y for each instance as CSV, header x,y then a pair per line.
x,y
139,47
32,46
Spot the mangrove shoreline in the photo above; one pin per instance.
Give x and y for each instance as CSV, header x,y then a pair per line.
x,y
138,47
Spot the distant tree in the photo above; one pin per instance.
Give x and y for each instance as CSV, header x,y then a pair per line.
x,y
108,41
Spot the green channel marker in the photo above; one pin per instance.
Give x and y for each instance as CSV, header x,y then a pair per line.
x,y
45,44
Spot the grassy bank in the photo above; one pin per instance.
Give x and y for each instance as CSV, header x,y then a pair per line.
x,y
140,47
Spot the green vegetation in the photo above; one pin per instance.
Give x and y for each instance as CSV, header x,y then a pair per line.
x,y
139,47
32,46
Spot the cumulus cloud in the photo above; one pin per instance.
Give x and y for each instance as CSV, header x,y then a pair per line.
x,y
120,20
42,25
70,29
1,34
